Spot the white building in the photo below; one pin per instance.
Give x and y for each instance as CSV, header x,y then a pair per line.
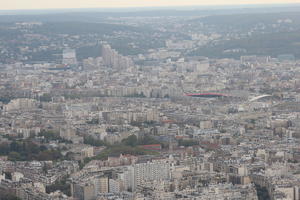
x,y
151,171
114,186
69,57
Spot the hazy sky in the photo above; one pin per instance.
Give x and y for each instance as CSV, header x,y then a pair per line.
x,y
46,4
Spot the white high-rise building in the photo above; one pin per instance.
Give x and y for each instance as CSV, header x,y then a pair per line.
x,y
69,57
101,185
114,186
151,171
127,178
111,58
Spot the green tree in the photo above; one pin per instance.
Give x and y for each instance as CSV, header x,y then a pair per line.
x,y
147,139
46,98
130,141
4,148
7,196
50,135
14,156
187,143
91,141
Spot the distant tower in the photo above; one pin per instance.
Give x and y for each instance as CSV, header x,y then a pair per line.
x,y
111,58
69,57
107,55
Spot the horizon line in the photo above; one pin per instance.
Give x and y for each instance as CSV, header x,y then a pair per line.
x,y
156,7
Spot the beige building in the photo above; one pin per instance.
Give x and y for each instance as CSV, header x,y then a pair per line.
x,y
87,152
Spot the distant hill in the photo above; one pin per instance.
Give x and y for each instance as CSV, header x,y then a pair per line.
x,y
262,34
240,21
98,15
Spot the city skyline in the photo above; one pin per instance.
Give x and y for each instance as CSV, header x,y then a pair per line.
x,y
56,4
139,103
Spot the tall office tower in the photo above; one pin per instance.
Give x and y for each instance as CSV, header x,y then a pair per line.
x,y
107,55
69,57
111,58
